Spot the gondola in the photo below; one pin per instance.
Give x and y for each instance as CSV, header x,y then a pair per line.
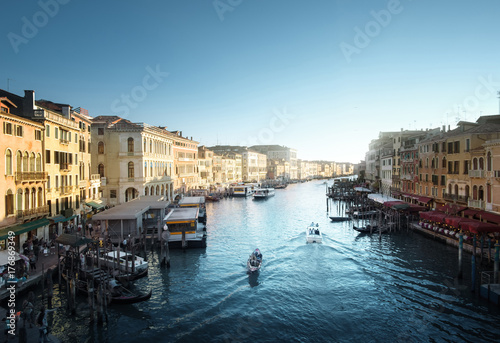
x,y
340,219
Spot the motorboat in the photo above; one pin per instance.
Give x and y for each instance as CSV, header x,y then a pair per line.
x,y
254,261
313,234
263,193
133,266
364,214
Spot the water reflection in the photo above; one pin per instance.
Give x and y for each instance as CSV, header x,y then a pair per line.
x,y
253,279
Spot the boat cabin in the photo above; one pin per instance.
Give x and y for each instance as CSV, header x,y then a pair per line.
x,y
184,229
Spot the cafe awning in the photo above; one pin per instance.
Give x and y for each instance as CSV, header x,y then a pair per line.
x,y
22,228
95,205
491,217
424,200
479,227
456,221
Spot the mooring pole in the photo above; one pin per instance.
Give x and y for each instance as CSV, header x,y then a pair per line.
x,y
460,253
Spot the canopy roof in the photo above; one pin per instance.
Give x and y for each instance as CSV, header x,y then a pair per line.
x,y
479,227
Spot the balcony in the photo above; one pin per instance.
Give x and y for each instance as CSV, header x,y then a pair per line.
x,y
33,213
66,167
477,173
82,184
31,176
66,190
95,180
476,204
64,141
458,198
41,113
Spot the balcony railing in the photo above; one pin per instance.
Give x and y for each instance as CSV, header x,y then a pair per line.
x,y
477,173
64,141
33,212
64,166
476,204
31,176
66,190
454,197
95,177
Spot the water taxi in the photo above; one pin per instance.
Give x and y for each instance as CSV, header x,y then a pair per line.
x,y
263,193
198,202
313,234
242,190
184,229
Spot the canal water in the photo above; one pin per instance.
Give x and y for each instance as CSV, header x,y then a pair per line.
x,y
350,288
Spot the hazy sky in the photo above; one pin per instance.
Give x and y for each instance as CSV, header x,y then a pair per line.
x,y
323,76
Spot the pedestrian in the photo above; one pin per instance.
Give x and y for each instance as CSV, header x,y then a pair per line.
x,y
32,262
90,229
28,313
43,325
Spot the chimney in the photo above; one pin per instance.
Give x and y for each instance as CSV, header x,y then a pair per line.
x,y
28,103
448,128
444,128
66,111
180,133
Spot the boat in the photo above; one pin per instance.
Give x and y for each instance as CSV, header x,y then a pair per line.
x,y
370,229
281,186
116,293
131,266
340,219
183,229
122,295
198,202
313,234
242,191
254,261
358,214
263,193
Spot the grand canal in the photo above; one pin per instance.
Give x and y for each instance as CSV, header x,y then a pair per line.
x,y
351,288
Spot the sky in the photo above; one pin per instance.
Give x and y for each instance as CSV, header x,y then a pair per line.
x,y
323,77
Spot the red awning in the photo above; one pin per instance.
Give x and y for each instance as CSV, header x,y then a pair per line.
x,y
423,200
392,203
451,208
456,221
479,227
470,212
491,217
434,216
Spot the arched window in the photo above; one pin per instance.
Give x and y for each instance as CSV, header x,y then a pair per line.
x,y
449,189
481,163
467,191
131,169
480,193
8,162
19,199
38,162
157,190
33,198
9,203
474,193
145,144
25,161
145,169
444,163
100,169
146,191
32,162
100,148
488,161
456,189
488,193
474,164
27,199
130,144
19,162
40,197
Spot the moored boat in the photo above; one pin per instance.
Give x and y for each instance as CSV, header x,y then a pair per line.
x,y
131,266
313,234
339,219
254,261
263,193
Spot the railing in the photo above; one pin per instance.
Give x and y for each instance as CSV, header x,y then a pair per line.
x,y
477,173
33,212
476,204
66,190
64,166
82,183
64,141
454,197
31,176
55,117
